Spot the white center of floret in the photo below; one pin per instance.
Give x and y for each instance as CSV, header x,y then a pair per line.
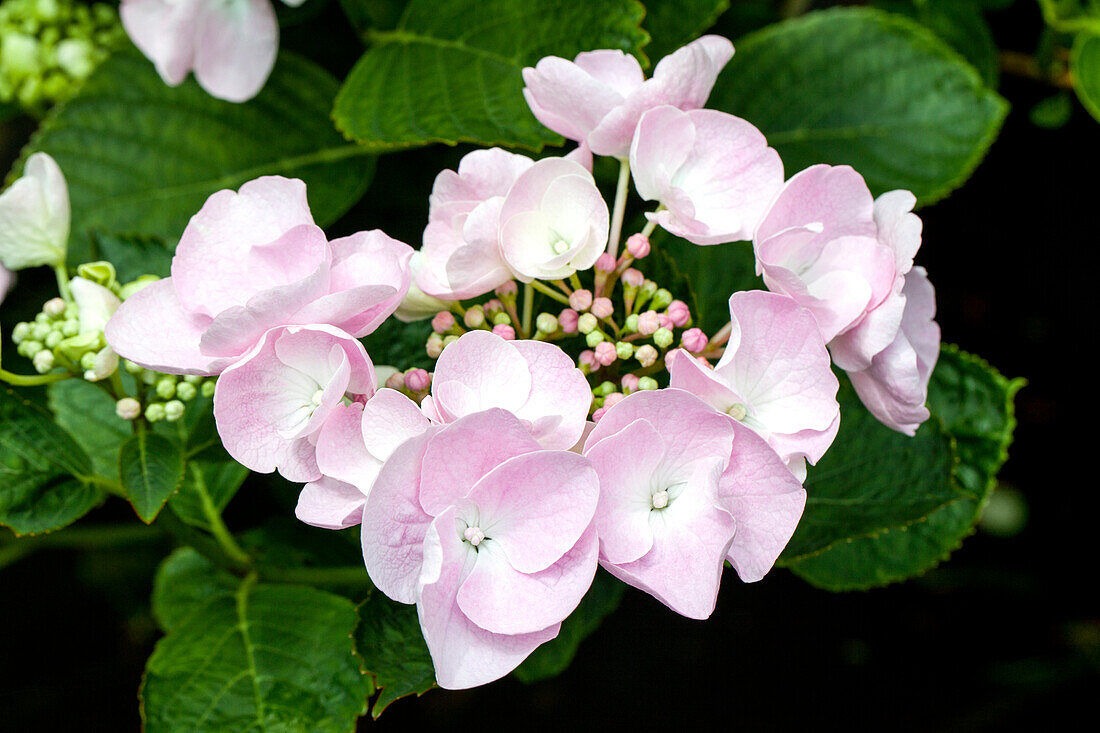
x,y
660,499
474,535
318,396
737,411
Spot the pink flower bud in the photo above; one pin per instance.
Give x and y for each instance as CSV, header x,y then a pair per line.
x,y
507,289
418,380
629,383
443,321
505,331
598,414
605,263
567,319
646,355
679,313
493,306
603,308
648,322
588,359
580,300
605,353
664,320
694,339
396,381
612,399
637,245
474,317
633,277
434,347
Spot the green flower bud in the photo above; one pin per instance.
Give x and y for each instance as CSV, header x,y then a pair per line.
x,y
193,379
604,389
101,273
587,323
29,348
76,57
43,361
661,299
155,412
87,362
648,383
39,331
502,319
630,325
19,55
53,339
173,410
208,388
166,388
21,331
75,347
186,391
624,349
663,338
128,408
130,288
70,328
546,323
131,367
593,338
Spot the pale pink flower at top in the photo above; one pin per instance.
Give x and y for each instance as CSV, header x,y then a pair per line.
x,y
845,256
895,386
417,304
774,377
682,489
713,173
251,261
270,406
7,280
229,44
352,445
534,380
488,535
462,240
34,216
553,222
598,98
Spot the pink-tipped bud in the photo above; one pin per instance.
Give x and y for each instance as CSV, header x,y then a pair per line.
x,y
587,360
679,312
646,355
396,381
664,320
629,383
54,308
493,306
648,322
507,290
633,278
443,322
474,317
505,331
694,339
567,320
606,263
418,380
612,399
637,245
580,300
598,414
603,308
605,353
434,347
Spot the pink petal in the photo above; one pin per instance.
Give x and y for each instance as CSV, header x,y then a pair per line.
x,y
834,197
464,654
709,385
165,32
481,175
898,227
568,99
766,501
389,419
341,454
330,504
235,47
664,140
558,390
618,70
479,371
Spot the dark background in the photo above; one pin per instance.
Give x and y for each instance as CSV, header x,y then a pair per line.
x,y
1004,636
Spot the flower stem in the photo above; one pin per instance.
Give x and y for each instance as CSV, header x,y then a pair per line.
x,y
620,207
32,380
649,227
528,308
63,282
550,292
217,527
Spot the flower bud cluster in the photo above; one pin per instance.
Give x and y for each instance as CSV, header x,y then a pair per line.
x,y
162,396
48,47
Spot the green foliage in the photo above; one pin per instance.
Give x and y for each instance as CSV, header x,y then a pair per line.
x,y
244,655
975,404
44,473
132,256
394,654
961,24
450,72
1085,64
672,23
555,656
141,157
1053,112
207,486
866,88
87,412
850,495
151,469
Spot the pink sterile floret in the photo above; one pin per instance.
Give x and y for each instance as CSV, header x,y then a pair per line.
x,y
352,445
774,377
461,521
231,46
714,173
251,261
598,98
462,240
270,405
682,489
534,380
553,222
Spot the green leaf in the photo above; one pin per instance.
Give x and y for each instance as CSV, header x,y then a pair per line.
x,y
976,404
151,467
1053,112
141,157
866,88
960,24
852,493
392,647
450,71
219,481
400,345
87,412
242,655
132,256
673,23
1085,65
44,473
554,657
